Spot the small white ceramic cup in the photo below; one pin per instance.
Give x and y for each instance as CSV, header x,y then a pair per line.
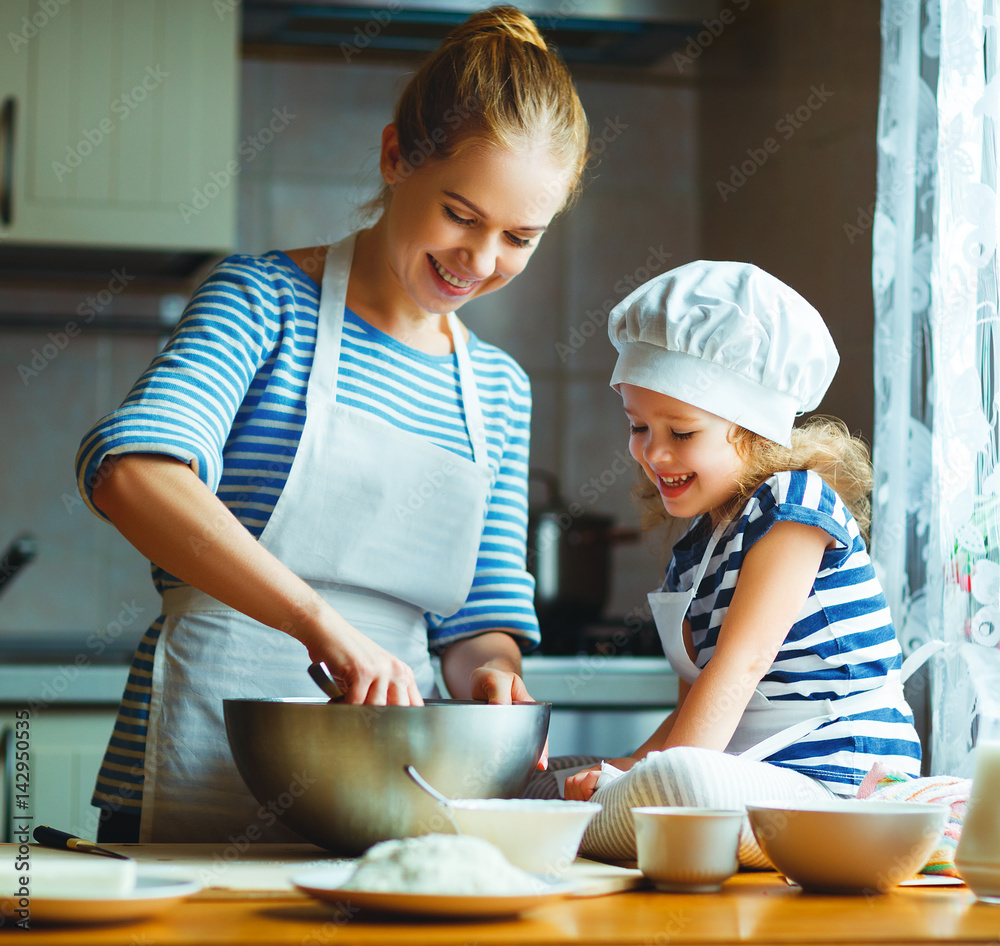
x,y
689,850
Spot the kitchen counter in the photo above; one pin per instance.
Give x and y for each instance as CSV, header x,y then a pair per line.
x,y
758,908
602,706
584,680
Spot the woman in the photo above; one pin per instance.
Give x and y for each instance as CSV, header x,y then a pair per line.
x,y
323,464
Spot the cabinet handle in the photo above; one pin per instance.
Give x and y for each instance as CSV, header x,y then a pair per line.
x,y
8,114
7,784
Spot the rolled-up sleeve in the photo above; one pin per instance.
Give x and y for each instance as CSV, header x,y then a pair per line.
x,y
185,402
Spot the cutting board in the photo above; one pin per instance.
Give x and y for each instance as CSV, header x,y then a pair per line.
x,y
236,872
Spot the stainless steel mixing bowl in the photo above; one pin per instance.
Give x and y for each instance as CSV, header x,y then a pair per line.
x,y
351,759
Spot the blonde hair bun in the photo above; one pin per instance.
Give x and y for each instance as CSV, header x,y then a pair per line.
x,y
505,20
493,80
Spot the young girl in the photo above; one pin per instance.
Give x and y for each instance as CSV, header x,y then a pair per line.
x,y
323,464
771,614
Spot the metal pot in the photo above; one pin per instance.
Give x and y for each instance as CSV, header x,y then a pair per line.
x,y
569,554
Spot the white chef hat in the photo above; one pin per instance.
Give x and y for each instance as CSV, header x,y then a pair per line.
x,y
727,338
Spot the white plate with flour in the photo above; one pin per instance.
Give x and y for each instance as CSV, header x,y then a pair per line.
x,y
327,884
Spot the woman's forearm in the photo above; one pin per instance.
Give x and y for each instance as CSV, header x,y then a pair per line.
x,y
160,505
168,514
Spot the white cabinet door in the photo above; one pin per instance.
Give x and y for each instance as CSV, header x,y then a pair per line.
x,y
65,748
118,123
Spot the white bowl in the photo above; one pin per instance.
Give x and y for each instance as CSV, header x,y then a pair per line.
x,y
691,850
848,845
541,835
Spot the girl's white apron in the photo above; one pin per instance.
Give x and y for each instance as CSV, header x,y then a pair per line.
x,y
768,726
385,525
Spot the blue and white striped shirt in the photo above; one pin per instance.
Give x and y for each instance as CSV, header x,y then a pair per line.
x,y
841,643
227,396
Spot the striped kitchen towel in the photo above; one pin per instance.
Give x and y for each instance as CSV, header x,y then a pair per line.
x,y
883,784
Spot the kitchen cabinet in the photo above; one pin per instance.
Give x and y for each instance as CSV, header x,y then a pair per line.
x,y
65,747
118,124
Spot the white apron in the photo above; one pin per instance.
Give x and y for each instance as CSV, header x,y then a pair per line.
x,y
385,525
768,726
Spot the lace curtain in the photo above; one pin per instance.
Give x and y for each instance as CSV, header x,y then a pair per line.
x,y
936,502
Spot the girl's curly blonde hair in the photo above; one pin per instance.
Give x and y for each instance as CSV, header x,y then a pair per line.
x,y
823,444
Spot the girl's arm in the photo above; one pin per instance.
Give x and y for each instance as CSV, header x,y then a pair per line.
x,y
774,582
161,506
656,742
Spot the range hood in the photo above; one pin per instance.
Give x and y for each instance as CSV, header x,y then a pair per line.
x,y
612,34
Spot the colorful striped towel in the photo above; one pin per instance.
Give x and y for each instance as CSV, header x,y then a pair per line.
x,y
883,784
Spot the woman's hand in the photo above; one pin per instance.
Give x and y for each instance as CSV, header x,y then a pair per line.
x,y
581,785
487,667
501,686
498,686
364,671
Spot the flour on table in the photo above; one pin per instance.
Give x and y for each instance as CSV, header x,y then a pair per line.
x,y
445,864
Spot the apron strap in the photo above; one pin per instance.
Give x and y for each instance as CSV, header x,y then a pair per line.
x,y
470,393
783,738
887,694
707,557
917,659
326,359
333,297
670,627
699,574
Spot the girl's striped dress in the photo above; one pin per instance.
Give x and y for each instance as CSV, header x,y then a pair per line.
x,y
841,643
227,397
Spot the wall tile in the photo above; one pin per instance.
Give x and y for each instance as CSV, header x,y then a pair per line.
x,y
642,137
545,444
636,569
253,227
597,470
68,586
309,212
599,473
616,242
256,102
340,111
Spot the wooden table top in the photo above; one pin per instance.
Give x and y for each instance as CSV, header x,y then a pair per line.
x,y
758,908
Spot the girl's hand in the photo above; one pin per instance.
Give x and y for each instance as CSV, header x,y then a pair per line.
x,y
581,785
